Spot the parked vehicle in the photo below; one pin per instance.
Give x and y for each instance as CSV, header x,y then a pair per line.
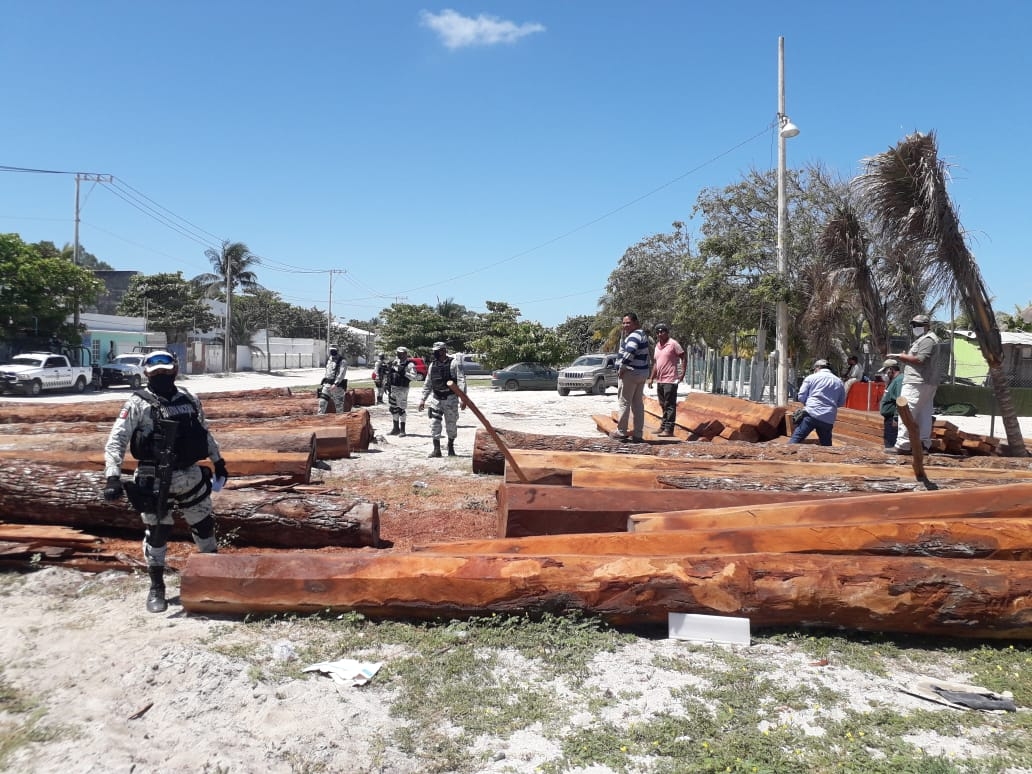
x,y
34,372
592,373
471,365
124,369
525,376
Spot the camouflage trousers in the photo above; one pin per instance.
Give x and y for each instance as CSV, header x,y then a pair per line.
x,y
191,494
446,409
397,402
334,392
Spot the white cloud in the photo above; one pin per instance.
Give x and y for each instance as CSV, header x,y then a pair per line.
x,y
458,31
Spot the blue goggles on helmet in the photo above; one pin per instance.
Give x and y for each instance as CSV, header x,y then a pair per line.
x,y
159,359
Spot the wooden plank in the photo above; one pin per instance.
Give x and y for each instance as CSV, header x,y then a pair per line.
x,y
555,510
1013,500
986,538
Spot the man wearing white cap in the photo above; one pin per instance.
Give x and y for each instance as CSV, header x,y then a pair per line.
x,y
921,375
822,392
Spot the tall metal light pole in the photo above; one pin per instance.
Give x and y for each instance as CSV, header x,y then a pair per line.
x,y
786,129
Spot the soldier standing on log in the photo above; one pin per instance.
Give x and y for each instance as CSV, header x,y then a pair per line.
x,y
445,403
402,372
165,430
334,383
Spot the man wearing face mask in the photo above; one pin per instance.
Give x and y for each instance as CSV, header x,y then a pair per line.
x,y
921,375
164,428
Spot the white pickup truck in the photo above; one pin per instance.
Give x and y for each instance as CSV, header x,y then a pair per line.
x,y
33,372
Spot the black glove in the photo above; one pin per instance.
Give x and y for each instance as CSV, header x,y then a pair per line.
x,y
220,470
113,489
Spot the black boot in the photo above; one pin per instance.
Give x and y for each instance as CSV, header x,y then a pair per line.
x,y
395,430
402,433
437,448
451,448
156,597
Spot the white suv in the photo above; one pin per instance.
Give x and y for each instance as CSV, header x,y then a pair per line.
x,y
592,373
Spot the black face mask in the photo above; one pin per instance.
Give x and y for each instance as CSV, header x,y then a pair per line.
x,y
162,384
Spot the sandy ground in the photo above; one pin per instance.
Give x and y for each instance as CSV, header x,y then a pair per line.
x,y
135,692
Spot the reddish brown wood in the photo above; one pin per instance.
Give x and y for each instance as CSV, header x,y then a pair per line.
x,y
942,597
35,493
986,538
558,510
1011,501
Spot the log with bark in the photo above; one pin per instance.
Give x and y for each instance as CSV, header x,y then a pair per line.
x,y
529,509
245,462
918,595
1008,501
34,493
487,458
977,538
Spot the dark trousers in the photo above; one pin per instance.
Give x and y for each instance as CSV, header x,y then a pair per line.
x,y
667,395
890,430
807,426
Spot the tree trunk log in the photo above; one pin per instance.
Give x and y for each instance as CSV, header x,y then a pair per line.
x,y
297,441
246,462
33,493
943,597
1009,501
528,509
982,538
488,459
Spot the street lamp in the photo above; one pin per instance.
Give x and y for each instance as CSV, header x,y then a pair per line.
x,y
786,129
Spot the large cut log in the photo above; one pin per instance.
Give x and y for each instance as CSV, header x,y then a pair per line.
x,y
214,408
356,423
1010,501
487,458
33,493
297,441
529,509
246,462
695,424
943,597
740,467
984,538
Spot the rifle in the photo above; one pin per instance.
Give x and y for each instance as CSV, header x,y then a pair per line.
x,y
165,431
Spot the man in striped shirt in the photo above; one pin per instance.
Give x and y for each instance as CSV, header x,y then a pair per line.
x,y
634,371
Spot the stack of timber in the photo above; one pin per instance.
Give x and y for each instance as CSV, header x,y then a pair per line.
x,y
780,550
52,462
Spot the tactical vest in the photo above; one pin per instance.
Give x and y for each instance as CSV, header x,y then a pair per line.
x,y
192,439
398,378
439,375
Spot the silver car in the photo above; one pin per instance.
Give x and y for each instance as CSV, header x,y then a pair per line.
x,y
592,373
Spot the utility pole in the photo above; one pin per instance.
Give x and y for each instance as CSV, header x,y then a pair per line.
x,y
80,176
329,310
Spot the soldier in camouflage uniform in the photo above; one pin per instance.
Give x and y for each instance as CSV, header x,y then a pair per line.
x,y
444,403
401,373
381,370
334,383
141,427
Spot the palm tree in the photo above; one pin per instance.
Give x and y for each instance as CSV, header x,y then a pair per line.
x,y
845,245
231,269
906,188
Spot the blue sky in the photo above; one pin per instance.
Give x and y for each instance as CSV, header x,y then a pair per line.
x,y
482,151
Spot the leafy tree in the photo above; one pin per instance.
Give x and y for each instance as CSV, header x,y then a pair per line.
x,y
86,259
647,280
415,326
906,187
524,340
583,333
170,303
39,292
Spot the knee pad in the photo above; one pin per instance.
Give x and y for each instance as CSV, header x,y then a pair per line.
x,y
435,413
156,535
203,529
